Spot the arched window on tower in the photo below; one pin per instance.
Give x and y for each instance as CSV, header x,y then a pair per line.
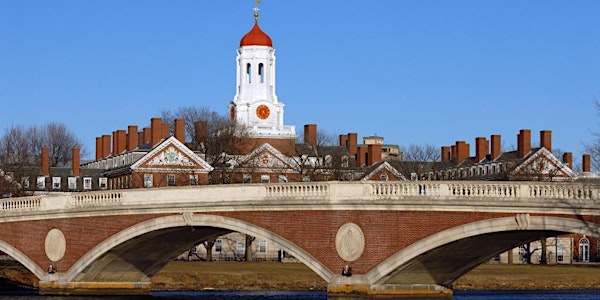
x,y
249,73
261,72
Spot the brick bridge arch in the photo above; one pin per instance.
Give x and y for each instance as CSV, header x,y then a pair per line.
x,y
428,259
191,222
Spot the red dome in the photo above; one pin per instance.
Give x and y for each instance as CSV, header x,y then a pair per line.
x,y
256,37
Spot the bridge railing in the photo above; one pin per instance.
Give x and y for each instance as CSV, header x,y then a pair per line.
x,y
21,203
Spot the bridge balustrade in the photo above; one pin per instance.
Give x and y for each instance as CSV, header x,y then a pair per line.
x,y
92,199
483,190
24,203
298,190
563,191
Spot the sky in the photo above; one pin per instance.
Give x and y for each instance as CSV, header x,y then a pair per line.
x,y
420,72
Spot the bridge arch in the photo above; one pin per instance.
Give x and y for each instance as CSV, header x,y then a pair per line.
x,y
23,259
518,226
193,220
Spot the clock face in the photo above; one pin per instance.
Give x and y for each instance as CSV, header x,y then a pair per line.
x,y
262,112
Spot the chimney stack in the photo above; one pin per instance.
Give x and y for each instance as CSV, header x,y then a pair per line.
x,y
115,140
546,139
344,140
568,159
166,131
45,161
121,141
462,151
481,149
496,145
361,156
75,161
133,137
99,154
180,130
374,154
310,134
524,142
353,144
106,145
586,165
155,131
446,156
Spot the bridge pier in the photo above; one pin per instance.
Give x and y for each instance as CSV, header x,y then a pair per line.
x,y
358,285
94,288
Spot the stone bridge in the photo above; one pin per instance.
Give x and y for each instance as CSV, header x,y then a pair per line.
x,y
398,237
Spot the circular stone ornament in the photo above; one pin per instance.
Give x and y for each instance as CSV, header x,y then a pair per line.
x,y
350,242
55,245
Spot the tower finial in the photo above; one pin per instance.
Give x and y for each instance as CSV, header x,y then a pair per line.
x,y
256,9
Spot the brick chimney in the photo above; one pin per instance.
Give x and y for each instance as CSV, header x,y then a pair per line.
x,y
132,137
524,142
352,143
446,156
374,154
201,131
344,140
115,140
106,145
155,131
453,154
310,134
586,164
99,154
121,141
166,131
75,161
496,145
361,156
568,159
462,151
146,135
180,130
546,139
481,149
45,161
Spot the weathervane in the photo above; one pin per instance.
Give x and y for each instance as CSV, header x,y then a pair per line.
x,y
256,9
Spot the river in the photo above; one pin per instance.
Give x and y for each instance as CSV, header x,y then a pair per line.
x,y
312,295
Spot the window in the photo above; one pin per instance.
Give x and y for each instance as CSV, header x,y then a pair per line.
x,y
87,183
249,73
261,72
193,179
305,178
560,253
247,178
72,183
102,183
170,180
584,249
218,245
241,247
41,182
283,179
147,180
262,246
265,179
383,177
56,183
25,182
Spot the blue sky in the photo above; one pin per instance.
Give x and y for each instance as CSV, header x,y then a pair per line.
x,y
414,72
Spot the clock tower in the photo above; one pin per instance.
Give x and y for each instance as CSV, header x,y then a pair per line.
x,y
255,103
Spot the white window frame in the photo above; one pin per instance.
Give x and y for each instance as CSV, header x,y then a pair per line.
x,y
148,180
383,177
102,183
72,183
193,179
55,183
87,183
240,247
283,179
219,245
262,246
40,182
171,180
265,178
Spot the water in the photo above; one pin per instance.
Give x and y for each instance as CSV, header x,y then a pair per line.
x,y
313,295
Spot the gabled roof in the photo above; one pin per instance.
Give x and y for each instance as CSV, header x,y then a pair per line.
x,y
380,167
266,158
171,155
542,164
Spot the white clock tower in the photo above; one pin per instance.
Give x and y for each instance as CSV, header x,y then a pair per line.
x,y
255,104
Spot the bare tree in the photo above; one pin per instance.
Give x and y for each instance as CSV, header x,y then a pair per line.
x,y
421,153
593,148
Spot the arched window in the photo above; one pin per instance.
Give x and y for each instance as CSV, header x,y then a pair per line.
x,y
261,72
249,73
383,177
584,249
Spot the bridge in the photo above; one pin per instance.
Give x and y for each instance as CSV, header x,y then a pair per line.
x,y
398,237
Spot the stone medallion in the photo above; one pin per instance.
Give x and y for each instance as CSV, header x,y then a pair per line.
x,y
350,242
55,245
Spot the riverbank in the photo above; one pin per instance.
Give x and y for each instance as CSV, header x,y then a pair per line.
x,y
180,275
